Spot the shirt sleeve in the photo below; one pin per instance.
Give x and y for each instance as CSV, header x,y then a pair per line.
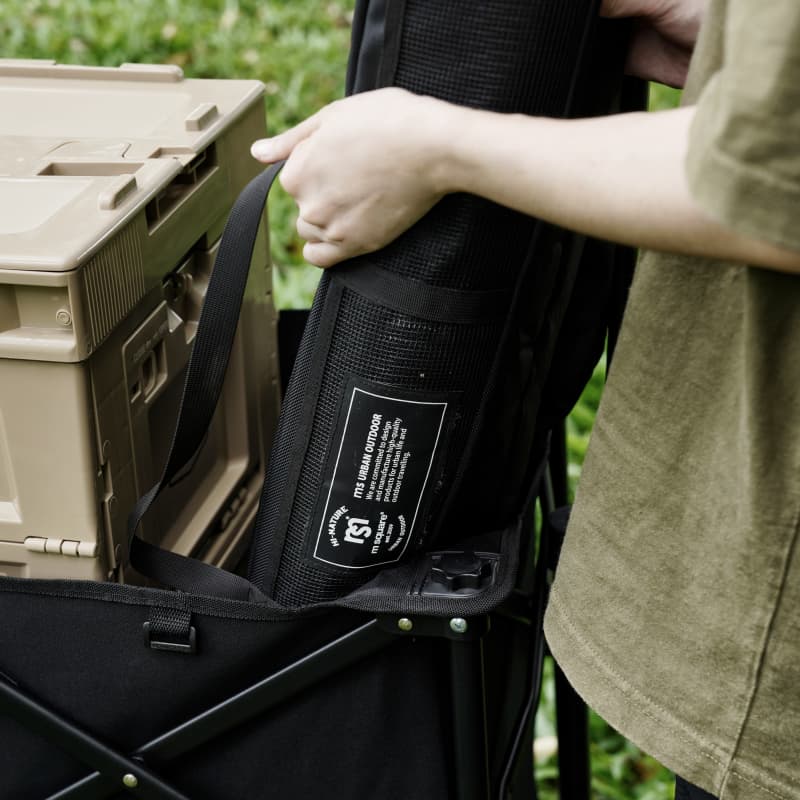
x,y
743,158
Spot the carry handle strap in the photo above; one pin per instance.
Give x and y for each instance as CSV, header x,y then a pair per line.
x,y
205,374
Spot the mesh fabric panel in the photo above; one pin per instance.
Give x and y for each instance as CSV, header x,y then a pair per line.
x,y
504,56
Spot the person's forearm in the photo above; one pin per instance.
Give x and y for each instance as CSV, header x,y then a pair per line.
x,y
366,168
620,178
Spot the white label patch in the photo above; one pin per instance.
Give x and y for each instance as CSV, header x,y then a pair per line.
x,y
373,494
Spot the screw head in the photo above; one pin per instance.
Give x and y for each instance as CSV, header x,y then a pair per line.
x,y
405,624
130,780
63,317
458,625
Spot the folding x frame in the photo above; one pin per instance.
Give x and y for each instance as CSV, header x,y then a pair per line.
x,y
113,771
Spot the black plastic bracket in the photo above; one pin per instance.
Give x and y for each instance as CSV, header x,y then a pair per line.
x,y
454,575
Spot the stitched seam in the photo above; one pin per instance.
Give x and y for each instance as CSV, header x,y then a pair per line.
x,y
759,666
763,176
693,737
163,601
757,785
780,777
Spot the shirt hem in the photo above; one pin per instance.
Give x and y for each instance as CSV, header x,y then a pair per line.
x,y
640,719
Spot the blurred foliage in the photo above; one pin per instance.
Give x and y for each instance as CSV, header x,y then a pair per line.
x,y
662,97
298,48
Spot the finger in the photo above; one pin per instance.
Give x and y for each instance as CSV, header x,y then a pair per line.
x,y
653,58
324,254
308,231
292,176
625,8
281,146
610,8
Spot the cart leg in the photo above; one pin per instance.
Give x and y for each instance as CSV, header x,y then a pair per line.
x,y
471,761
572,716
572,720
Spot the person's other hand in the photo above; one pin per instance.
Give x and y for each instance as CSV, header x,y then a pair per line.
x,y
663,38
362,170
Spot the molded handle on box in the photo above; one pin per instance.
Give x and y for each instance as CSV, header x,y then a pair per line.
x,y
116,192
201,116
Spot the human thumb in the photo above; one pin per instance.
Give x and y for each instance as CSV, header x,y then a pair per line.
x,y
279,147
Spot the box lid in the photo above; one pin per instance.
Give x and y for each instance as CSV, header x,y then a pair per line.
x,y
83,149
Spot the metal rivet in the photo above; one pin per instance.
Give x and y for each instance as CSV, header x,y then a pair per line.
x,y
405,624
130,780
458,625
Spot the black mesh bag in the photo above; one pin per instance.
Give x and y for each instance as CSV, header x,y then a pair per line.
x,y
412,412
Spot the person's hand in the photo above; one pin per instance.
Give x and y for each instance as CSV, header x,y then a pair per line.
x,y
664,36
362,170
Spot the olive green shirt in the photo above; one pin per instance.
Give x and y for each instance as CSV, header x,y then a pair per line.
x,y
676,606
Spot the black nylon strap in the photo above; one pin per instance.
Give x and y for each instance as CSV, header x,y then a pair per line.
x,y
394,16
204,378
419,299
173,622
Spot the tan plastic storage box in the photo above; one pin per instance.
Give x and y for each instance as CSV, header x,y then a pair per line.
x,y
115,184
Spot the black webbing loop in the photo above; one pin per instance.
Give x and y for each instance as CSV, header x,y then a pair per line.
x,y
420,299
170,629
204,378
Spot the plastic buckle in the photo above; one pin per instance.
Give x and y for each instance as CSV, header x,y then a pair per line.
x,y
170,646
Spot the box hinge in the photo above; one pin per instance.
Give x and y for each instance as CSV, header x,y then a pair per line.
x,y
61,547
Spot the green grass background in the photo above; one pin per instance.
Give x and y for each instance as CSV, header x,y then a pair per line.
x,y
298,48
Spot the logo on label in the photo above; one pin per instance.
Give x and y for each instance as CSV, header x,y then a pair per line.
x,y
371,540
358,530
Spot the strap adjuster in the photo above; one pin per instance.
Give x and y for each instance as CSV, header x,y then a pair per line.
x,y
170,645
